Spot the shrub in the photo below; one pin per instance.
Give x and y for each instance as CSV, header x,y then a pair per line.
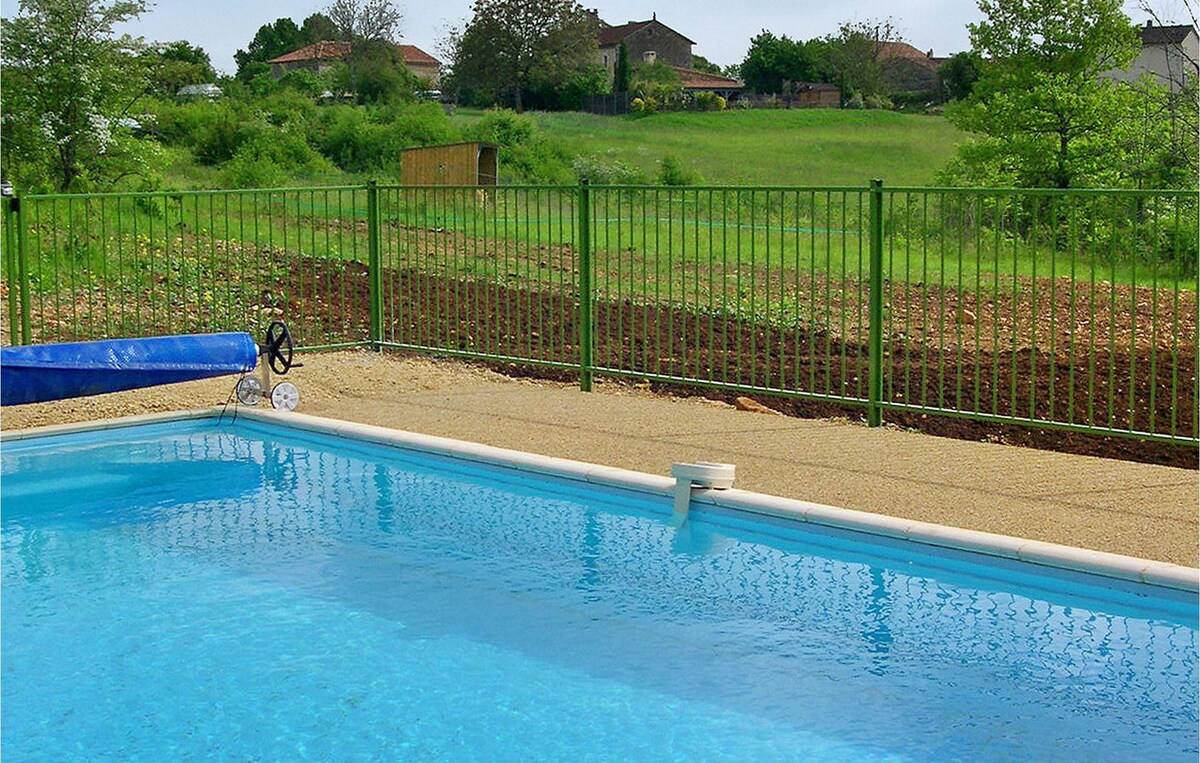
x,y
647,105
525,155
600,172
366,139
272,156
671,171
877,102
504,127
707,101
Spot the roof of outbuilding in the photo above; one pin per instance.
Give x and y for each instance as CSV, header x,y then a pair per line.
x,y
692,79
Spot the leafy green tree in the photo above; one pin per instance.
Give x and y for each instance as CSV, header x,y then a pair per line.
x,y
270,41
854,56
958,74
175,64
318,27
702,64
772,60
622,71
70,87
659,82
509,44
1043,114
377,72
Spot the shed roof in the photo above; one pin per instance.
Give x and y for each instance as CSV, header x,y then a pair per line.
x,y
691,79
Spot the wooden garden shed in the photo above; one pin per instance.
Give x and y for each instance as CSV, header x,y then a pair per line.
x,y
451,164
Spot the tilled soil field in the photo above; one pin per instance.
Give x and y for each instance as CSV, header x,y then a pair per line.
x,y
1077,382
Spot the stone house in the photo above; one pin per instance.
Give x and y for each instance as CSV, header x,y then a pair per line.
x,y
319,56
645,41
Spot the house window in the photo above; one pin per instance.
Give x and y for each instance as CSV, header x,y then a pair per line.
x,y
606,59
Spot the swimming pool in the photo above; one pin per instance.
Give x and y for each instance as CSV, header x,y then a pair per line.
x,y
201,589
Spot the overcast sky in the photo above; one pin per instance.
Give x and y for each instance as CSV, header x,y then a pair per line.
x,y
721,29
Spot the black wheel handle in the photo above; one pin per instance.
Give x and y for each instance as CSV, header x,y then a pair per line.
x,y
279,348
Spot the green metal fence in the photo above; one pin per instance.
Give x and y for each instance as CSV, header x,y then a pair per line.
x,y
1059,309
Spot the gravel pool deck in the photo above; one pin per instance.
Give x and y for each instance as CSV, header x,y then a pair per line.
x,y
1117,506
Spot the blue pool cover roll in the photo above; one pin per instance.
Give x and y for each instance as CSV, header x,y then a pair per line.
x,y
37,373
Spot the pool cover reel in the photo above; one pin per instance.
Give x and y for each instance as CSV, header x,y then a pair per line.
x,y
37,373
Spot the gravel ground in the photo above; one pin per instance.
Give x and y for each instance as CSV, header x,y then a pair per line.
x,y
1137,509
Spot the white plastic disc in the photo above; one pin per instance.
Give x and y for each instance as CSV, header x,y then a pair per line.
x,y
285,396
249,390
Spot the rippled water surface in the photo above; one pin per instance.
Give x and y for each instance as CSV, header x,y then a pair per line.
x,y
195,591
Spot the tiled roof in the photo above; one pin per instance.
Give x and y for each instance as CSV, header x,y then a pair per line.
x,y
330,50
325,50
892,50
697,80
1165,35
612,35
414,55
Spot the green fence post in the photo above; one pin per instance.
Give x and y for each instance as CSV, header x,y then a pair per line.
x,y
875,313
584,247
22,284
9,255
374,267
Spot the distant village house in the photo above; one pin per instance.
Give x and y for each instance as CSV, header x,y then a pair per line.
x,y
654,42
319,56
907,69
1169,56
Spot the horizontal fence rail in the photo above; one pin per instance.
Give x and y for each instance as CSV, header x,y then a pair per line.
x,y
1074,310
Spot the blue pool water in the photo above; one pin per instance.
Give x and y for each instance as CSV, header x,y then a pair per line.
x,y
195,591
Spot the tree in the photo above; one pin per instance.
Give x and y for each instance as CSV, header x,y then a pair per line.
x,y
1044,114
702,64
958,74
854,55
358,20
509,44
377,73
772,60
621,72
175,64
658,81
69,87
318,27
270,41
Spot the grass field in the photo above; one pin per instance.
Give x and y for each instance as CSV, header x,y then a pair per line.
x,y
768,147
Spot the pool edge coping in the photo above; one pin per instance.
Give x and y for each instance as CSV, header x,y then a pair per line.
x,y
1043,553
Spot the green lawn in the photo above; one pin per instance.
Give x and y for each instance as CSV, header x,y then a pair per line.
x,y
767,147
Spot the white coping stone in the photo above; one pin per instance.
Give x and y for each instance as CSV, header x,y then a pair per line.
x,y
1130,568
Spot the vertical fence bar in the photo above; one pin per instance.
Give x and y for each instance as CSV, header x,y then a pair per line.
x,y
22,271
374,270
10,271
875,317
584,247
